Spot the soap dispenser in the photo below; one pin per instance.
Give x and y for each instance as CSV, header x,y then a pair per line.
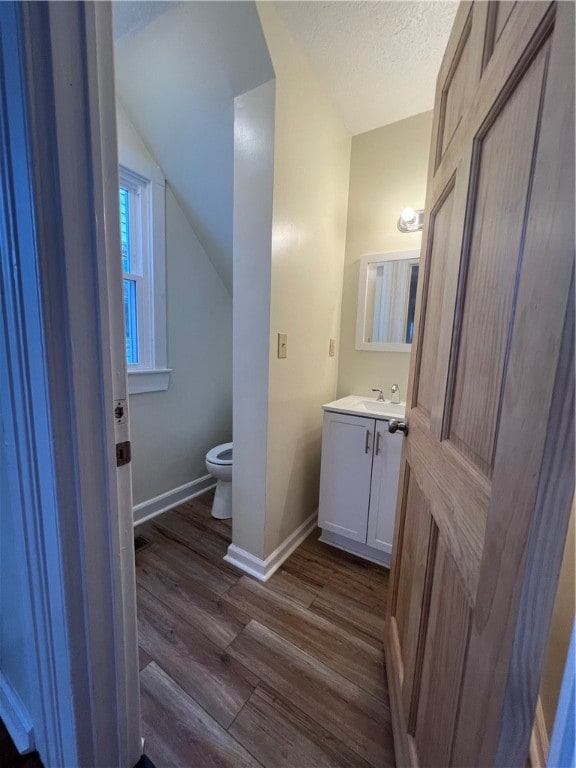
x,y
395,389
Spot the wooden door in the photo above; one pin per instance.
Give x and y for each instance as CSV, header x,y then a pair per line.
x,y
487,475
384,487
347,443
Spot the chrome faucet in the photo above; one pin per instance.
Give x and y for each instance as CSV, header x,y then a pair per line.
x,y
395,389
380,398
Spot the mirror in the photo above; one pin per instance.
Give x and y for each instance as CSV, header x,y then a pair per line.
x,y
386,301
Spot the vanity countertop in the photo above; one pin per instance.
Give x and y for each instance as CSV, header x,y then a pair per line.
x,y
358,405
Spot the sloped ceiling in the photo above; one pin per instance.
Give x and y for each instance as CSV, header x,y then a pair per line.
x,y
178,68
378,61
129,17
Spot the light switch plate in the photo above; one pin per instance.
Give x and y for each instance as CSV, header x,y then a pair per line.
x,y
332,347
282,345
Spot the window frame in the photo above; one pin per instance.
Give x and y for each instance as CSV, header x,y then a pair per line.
x,y
146,185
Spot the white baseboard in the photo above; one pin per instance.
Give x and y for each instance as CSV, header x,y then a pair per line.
x,y
263,569
356,548
153,507
15,717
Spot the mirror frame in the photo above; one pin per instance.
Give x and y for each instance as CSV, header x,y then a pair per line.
x,y
365,262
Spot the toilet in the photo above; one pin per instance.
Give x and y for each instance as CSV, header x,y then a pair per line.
x,y
219,464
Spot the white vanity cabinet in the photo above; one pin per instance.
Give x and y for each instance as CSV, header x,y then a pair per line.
x,y
358,485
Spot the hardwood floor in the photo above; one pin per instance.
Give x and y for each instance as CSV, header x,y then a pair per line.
x,y
287,674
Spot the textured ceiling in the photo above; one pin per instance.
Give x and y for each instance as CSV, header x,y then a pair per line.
x,y
377,60
129,16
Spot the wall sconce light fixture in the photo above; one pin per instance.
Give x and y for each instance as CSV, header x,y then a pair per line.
x,y
411,220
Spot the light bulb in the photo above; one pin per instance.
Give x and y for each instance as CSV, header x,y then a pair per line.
x,y
408,215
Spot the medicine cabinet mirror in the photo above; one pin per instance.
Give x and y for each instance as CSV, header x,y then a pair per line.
x,y
386,301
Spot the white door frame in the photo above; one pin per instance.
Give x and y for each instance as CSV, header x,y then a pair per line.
x,y
62,368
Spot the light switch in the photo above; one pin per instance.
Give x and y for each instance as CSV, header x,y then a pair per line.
x,y
282,345
332,348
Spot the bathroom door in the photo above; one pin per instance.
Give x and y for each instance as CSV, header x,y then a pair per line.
x,y
487,474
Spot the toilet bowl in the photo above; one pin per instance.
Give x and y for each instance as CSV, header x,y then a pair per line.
x,y
219,464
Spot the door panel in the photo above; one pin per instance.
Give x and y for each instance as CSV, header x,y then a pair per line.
x,y
502,171
457,493
456,89
492,310
443,660
503,10
498,16
436,280
413,565
418,538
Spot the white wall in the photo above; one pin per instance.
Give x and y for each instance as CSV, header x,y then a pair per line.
x,y
387,173
171,431
311,167
253,191
178,78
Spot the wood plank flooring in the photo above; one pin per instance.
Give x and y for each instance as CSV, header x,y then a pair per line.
x,y
238,674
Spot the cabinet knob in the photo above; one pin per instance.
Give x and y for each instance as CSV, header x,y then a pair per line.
x,y
396,425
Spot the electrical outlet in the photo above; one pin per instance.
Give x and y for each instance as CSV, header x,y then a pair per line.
x,y
332,347
282,345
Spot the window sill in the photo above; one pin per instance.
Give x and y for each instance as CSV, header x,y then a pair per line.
x,y
156,380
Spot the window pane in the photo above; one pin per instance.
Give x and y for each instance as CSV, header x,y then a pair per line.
x,y
131,321
125,228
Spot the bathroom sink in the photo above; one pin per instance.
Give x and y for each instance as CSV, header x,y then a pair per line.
x,y
388,409
357,405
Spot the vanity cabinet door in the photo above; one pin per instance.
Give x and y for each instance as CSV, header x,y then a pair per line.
x,y
347,443
384,487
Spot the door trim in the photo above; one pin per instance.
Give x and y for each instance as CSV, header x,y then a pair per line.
x,y
62,373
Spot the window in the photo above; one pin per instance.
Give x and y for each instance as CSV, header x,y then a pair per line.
x,y
141,201
134,266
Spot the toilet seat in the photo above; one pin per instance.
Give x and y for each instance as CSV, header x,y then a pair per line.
x,y
221,455
219,465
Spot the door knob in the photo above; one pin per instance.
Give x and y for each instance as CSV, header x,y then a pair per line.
x,y
395,425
